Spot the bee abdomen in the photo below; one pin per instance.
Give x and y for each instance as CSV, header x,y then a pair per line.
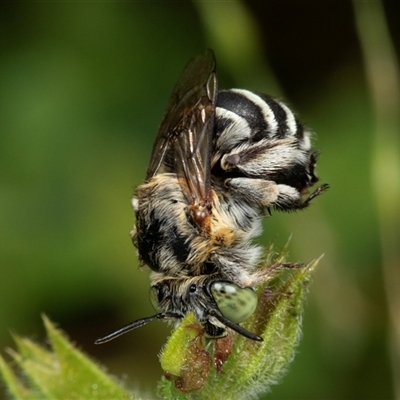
x,y
265,117
258,145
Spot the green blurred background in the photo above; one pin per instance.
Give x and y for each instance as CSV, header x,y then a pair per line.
x,y
83,88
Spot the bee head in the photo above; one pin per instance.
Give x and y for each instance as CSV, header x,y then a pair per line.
x,y
217,305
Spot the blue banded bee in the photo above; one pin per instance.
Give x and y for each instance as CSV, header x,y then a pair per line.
x,y
220,162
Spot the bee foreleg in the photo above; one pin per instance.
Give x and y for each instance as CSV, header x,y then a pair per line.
x,y
262,275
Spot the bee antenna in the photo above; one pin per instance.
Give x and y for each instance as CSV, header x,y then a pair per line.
x,y
235,327
133,325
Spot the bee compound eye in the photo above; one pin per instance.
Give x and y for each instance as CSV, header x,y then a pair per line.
x,y
153,294
235,303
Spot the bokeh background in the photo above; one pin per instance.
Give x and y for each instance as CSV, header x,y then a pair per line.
x,y
83,88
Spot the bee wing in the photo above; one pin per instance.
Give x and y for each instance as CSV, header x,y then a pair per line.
x,y
183,142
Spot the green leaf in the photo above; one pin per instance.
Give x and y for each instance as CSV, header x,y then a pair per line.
x,y
184,358
65,373
15,387
249,368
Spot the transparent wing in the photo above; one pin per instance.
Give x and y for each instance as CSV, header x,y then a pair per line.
x,y
183,143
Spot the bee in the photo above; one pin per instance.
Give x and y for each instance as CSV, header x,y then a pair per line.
x,y
220,162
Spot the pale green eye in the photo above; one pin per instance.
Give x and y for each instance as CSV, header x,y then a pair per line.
x,y
235,303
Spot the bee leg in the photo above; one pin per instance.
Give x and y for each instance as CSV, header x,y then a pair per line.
x,y
265,274
236,265
259,191
290,199
270,194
